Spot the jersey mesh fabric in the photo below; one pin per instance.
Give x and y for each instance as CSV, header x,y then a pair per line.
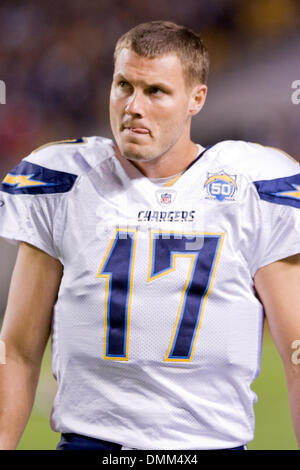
x,y
147,399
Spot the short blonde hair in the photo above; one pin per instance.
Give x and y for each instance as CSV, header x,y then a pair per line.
x,y
164,37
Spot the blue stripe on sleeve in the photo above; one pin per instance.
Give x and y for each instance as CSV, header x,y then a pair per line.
x,y
280,190
29,178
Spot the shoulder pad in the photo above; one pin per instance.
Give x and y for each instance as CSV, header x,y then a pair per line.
x,y
54,167
256,161
274,173
75,156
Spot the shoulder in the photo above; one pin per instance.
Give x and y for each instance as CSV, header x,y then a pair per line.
x,y
273,173
255,161
54,167
73,156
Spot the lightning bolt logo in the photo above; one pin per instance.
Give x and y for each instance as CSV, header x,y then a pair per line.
x,y
291,194
221,176
23,181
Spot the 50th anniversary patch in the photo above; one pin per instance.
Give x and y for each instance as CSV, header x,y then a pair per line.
x,y
220,186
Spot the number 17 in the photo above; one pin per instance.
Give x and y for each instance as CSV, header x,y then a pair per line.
x,y
165,247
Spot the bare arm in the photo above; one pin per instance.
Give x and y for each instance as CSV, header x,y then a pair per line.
x,y
278,286
25,331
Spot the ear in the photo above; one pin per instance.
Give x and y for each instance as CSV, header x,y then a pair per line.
x,y
197,99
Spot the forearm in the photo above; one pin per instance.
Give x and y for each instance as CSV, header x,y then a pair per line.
x,y
25,332
293,382
18,382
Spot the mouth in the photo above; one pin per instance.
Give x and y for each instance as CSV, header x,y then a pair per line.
x,y
135,130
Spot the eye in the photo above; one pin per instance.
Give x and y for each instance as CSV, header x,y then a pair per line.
x,y
123,84
154,90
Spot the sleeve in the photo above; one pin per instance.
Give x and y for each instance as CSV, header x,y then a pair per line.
x,y
279,206
29,197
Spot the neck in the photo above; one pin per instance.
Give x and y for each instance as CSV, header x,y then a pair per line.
x,y
171,163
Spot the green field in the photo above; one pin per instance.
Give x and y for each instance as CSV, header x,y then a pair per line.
x,y
273,422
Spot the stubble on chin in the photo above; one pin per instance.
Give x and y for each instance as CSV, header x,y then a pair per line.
x,y
137,156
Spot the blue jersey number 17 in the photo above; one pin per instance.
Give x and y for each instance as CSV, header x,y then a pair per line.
x,y
203,250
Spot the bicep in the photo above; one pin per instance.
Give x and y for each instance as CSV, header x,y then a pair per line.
x,y
32,295
278,287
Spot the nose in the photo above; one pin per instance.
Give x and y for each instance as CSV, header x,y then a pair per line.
x,y
135,104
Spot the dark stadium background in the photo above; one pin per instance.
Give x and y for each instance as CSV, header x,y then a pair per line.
x,y
56,62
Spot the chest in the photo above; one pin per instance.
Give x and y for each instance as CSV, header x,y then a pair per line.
x,y
160,268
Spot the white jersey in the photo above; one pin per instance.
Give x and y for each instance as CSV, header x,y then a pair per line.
x,y
157,330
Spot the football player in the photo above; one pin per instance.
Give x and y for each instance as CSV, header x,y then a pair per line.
x,y
151,262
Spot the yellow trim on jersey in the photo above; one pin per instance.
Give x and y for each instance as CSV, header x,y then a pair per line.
x,y
107,288
281,151
173,180
67,141
193,258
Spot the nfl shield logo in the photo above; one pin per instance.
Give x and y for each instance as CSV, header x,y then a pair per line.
x,y
165,198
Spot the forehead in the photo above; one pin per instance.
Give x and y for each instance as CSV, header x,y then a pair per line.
x,y
165,67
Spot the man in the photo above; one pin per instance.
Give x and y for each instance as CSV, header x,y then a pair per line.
x,y
151,261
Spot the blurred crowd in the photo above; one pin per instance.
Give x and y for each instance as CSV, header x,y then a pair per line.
x,y
56,57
